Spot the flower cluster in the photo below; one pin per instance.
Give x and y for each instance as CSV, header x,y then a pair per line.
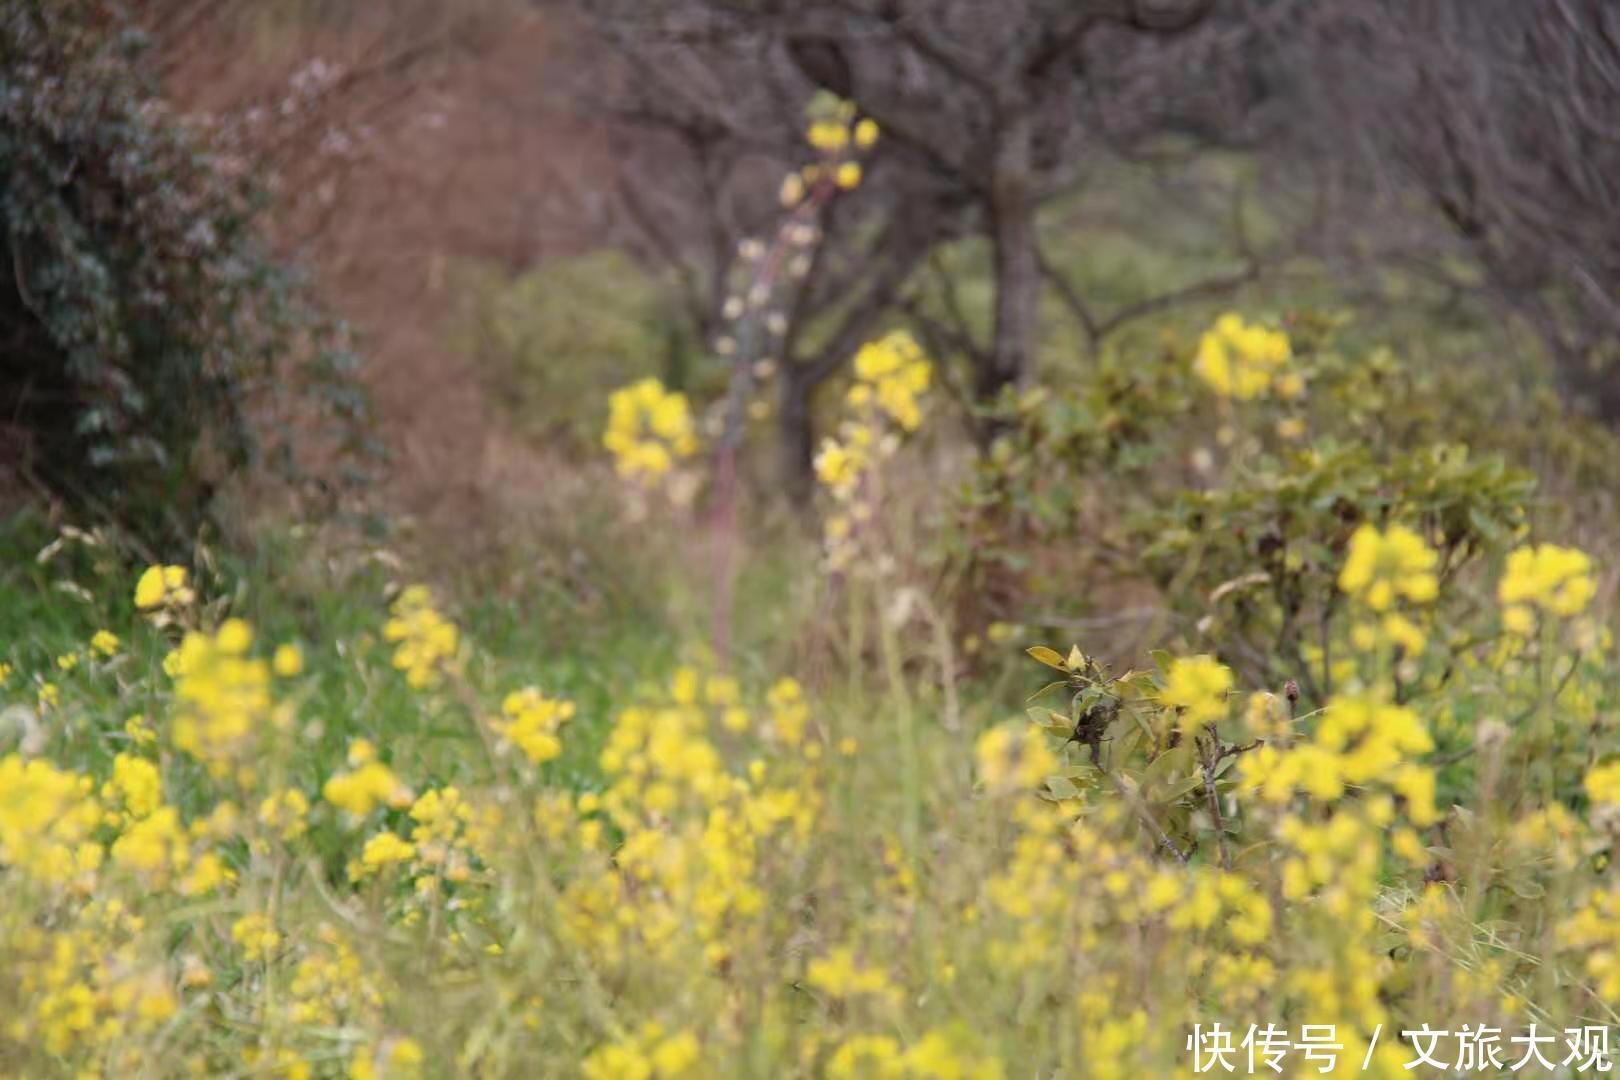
x,y
1013,758
730,874
1198,687
1382,570
1383,567
425,641
649,430
836,133
1243,361
530,722
1555,581
651,1054
47,819
891,374
366,784
1359,741
163,587
225,703
1594,931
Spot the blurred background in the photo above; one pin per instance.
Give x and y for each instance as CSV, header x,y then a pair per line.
x,y
390,259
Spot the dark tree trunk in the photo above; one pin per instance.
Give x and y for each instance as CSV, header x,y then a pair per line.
x,y
1593,390
1017,263
796,434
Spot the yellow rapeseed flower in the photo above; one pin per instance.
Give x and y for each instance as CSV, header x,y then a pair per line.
x,y
1198,686
1240,360
1382,567
1556,580
649,429
1603,783
531,723
1013,757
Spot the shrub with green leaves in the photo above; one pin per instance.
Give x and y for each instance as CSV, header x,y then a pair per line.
x,y
154,345
554,341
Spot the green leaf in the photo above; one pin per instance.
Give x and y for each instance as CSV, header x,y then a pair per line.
x,y
1047,689
1179,790
1051,721
1126,745
1160,770
1059,788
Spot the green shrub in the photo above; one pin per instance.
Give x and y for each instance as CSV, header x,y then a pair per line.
x,y
554,341
151,336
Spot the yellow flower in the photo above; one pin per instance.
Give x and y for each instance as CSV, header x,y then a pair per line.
x,y
790,713
1198,686
1240,360
159,586
1403,632
382,851
149,589
649,428
256,936
371,785
47,818
650,1055
426,641
224,701
839,466
1384,566
288,660
828,136
135,784
1555,579
392,1059
104,642
285,812
839,975
532,720
849,175
896,371
1603,783
866,134
1013,757
139,731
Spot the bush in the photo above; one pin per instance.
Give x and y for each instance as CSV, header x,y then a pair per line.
x,y
552,342
151,336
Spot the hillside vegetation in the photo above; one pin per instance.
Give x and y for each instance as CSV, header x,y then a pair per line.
x,y
1235,691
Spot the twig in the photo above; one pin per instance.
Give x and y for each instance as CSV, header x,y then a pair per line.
x,y
1214,801
1146,815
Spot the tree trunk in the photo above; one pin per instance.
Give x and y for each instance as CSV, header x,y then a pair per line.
x,y
1017,266
1590,389
796,433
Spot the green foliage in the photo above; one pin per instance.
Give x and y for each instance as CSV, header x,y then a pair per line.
x,y
154,346
554,341
1237,511
1254,562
